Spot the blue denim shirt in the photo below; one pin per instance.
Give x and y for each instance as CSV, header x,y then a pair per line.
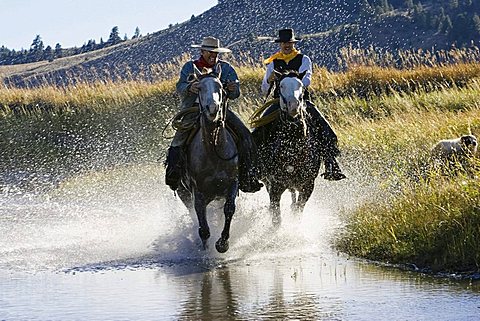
x,y
188,98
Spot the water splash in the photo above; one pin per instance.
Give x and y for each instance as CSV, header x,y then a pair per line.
x,y
127,217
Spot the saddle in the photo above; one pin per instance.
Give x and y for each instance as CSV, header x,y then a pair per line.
x,y
183,121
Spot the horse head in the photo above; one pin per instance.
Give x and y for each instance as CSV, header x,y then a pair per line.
x,y
291,93
211,95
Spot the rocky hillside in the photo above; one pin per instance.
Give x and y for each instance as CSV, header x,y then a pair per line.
x,y
246,25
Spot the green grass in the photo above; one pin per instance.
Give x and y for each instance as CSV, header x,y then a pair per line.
x,y
434,224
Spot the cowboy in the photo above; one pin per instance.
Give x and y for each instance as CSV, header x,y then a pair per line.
x,y
188,91
288,58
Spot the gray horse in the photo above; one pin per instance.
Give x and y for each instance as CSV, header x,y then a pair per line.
x,y
211,159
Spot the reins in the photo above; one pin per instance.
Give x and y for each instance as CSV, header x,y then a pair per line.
x,y
257,120
222,123
184,122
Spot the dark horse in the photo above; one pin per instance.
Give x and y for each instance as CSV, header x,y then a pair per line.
x,y
289,149
211,159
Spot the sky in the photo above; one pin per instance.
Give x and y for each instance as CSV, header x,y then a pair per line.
x,y
73,22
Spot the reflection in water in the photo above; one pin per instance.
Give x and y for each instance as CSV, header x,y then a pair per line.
x,y
218,297
322,289
95,250
213,300
286,302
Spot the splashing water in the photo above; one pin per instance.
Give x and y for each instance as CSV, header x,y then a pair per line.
x,y
127,215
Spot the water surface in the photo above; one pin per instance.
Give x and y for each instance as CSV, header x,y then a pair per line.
x,y
118,245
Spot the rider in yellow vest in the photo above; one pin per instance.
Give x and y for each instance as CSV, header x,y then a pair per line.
x,y
289,58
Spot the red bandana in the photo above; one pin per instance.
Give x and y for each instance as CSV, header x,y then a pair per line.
x,y
202,63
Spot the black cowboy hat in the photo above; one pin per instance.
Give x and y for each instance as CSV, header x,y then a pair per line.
x,y
286,35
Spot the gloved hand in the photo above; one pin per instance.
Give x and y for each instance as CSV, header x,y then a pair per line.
x,y
231,86
271,79
193,87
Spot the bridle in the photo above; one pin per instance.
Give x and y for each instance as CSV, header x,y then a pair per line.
x,y
220,120
284,117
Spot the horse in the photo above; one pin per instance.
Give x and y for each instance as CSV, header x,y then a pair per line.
x,y
289,150
211,159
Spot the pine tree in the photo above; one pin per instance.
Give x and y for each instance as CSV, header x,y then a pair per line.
x,y
48,54
137,33
58,51
114,37
36,50
37,44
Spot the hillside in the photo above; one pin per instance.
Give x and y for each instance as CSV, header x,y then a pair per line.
x,y
244,25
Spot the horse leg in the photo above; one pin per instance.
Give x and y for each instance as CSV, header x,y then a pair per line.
x,y
201,210
185,196
275,194
229,208
293,194
303,196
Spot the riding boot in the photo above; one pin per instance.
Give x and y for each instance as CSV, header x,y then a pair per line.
x,y
248,174
329,143
332,170
174,170
247,152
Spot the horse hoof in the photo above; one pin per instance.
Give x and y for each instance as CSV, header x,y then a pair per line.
x,y
221,246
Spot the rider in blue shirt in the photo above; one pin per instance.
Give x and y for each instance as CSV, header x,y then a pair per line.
x,y
188,91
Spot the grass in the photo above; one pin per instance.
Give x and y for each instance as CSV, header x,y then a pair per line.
x,y
434,225
385,117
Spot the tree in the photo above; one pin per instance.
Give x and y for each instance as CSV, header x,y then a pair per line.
x,y
114,37
137,33
48,54
58,51
37,44
36,49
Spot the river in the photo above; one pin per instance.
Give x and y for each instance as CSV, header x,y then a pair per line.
x,y
118,245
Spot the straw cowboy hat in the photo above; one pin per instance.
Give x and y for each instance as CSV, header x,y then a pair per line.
x,y
286,35
211,44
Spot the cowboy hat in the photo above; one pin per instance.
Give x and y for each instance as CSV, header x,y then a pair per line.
x,y
211,44
286,35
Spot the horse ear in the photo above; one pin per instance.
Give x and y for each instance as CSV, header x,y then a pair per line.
x,y
218,70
